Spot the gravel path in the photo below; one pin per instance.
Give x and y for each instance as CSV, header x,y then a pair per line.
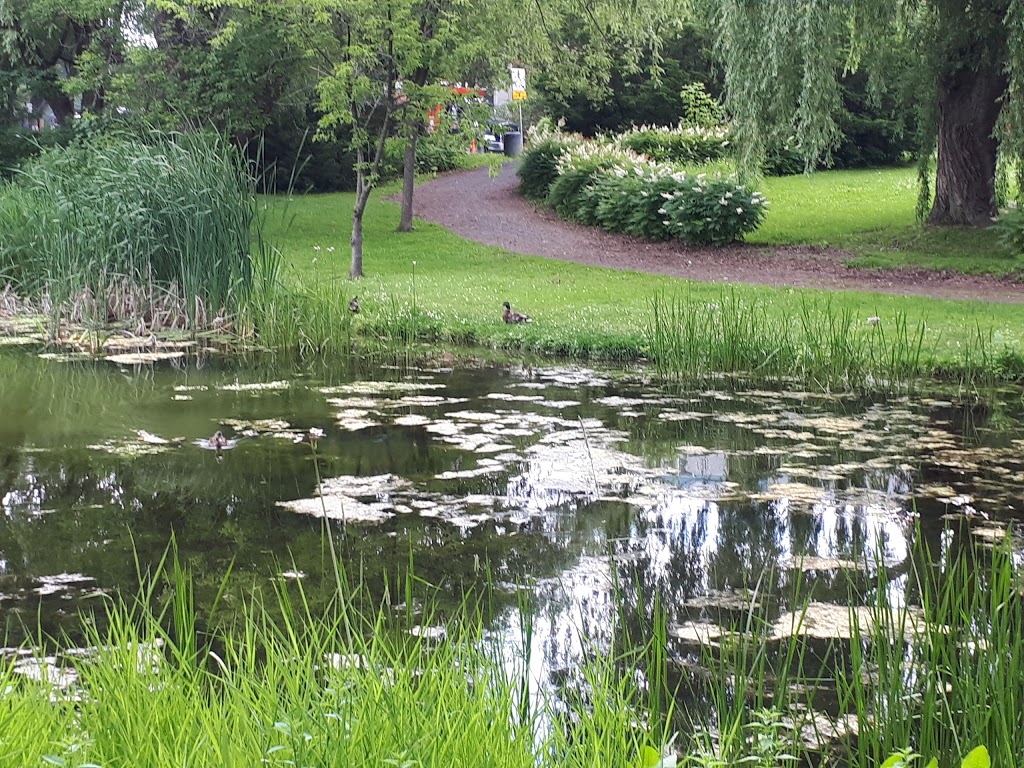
x,y
477,207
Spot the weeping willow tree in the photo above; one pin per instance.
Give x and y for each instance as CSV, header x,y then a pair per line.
x,y
959,62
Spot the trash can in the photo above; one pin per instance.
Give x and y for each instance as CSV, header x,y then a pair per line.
x,y
513,143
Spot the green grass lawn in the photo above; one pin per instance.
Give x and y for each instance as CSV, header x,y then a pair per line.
x,y
871,214
457,286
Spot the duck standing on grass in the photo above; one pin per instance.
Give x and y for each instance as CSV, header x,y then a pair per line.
x,y
514,317
353,305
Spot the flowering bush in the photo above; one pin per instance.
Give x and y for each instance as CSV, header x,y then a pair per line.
x,y
538,168
629,202
581,165
608,185
713,211
682,144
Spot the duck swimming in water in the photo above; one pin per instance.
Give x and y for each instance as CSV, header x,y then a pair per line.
x,y
511,317
218,441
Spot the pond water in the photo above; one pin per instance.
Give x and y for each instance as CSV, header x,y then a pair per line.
x,y
564,478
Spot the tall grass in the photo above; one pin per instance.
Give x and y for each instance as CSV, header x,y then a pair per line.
x,y
111,226
285,685
819,343
352,687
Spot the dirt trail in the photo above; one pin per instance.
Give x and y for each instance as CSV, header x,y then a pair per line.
x,y
477,207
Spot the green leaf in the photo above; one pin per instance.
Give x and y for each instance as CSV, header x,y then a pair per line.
x,y
649,757
977,758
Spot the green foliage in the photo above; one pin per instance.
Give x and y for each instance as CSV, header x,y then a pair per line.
x,y
120,214
1011,230
580,166
630,203
713,211
438,151
18,144
227,70
538,167
700,108
686,145
601,183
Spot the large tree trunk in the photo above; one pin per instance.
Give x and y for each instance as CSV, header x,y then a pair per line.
x,y
969,104
409,175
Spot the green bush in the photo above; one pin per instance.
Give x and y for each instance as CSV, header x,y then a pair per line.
x,y
629,203
1011,230
436,152
715,211
538,167
782,158
18,145
577,169
683,144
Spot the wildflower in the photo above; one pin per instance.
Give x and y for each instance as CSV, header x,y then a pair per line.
x,y
722,202
414,262
330,249
667,195
873,320
315,259
728,195
315,433
662,211
316,248
739,210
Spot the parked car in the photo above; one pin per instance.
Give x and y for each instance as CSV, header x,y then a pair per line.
x,y
494,135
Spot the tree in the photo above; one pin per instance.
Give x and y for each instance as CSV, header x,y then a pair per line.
x,y
958,61
44,43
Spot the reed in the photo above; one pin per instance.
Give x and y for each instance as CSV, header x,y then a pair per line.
x,y
819,343
165,215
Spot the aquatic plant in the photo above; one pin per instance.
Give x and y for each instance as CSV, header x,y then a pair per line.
x,y
821,343
156,229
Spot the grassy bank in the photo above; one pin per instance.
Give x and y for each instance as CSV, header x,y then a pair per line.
x,y
432,286
826,683
871,213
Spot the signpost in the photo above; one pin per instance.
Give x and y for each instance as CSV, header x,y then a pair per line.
x,y
519,90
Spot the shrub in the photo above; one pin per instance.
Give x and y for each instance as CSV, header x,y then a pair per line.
x,y
782,158
538,168
630,203
715,211
577,169
1011,230
682,144
436,152
18,145
700,108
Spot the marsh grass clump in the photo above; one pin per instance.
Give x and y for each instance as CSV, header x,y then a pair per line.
x,y
123,228
822,344
287,684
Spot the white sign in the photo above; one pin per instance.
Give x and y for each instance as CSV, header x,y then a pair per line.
x,y
518,83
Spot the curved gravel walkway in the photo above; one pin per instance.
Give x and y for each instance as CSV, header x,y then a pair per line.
x,y
489,210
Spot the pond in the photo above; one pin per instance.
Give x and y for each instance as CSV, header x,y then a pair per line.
x,y
582,483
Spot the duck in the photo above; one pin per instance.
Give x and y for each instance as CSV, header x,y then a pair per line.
x,y
514,317
353,305
218,441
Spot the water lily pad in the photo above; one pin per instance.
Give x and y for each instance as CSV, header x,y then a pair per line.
x,y
142,358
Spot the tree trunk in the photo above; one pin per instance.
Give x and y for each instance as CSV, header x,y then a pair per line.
x,y
362,195
965,173
409,175
356,270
